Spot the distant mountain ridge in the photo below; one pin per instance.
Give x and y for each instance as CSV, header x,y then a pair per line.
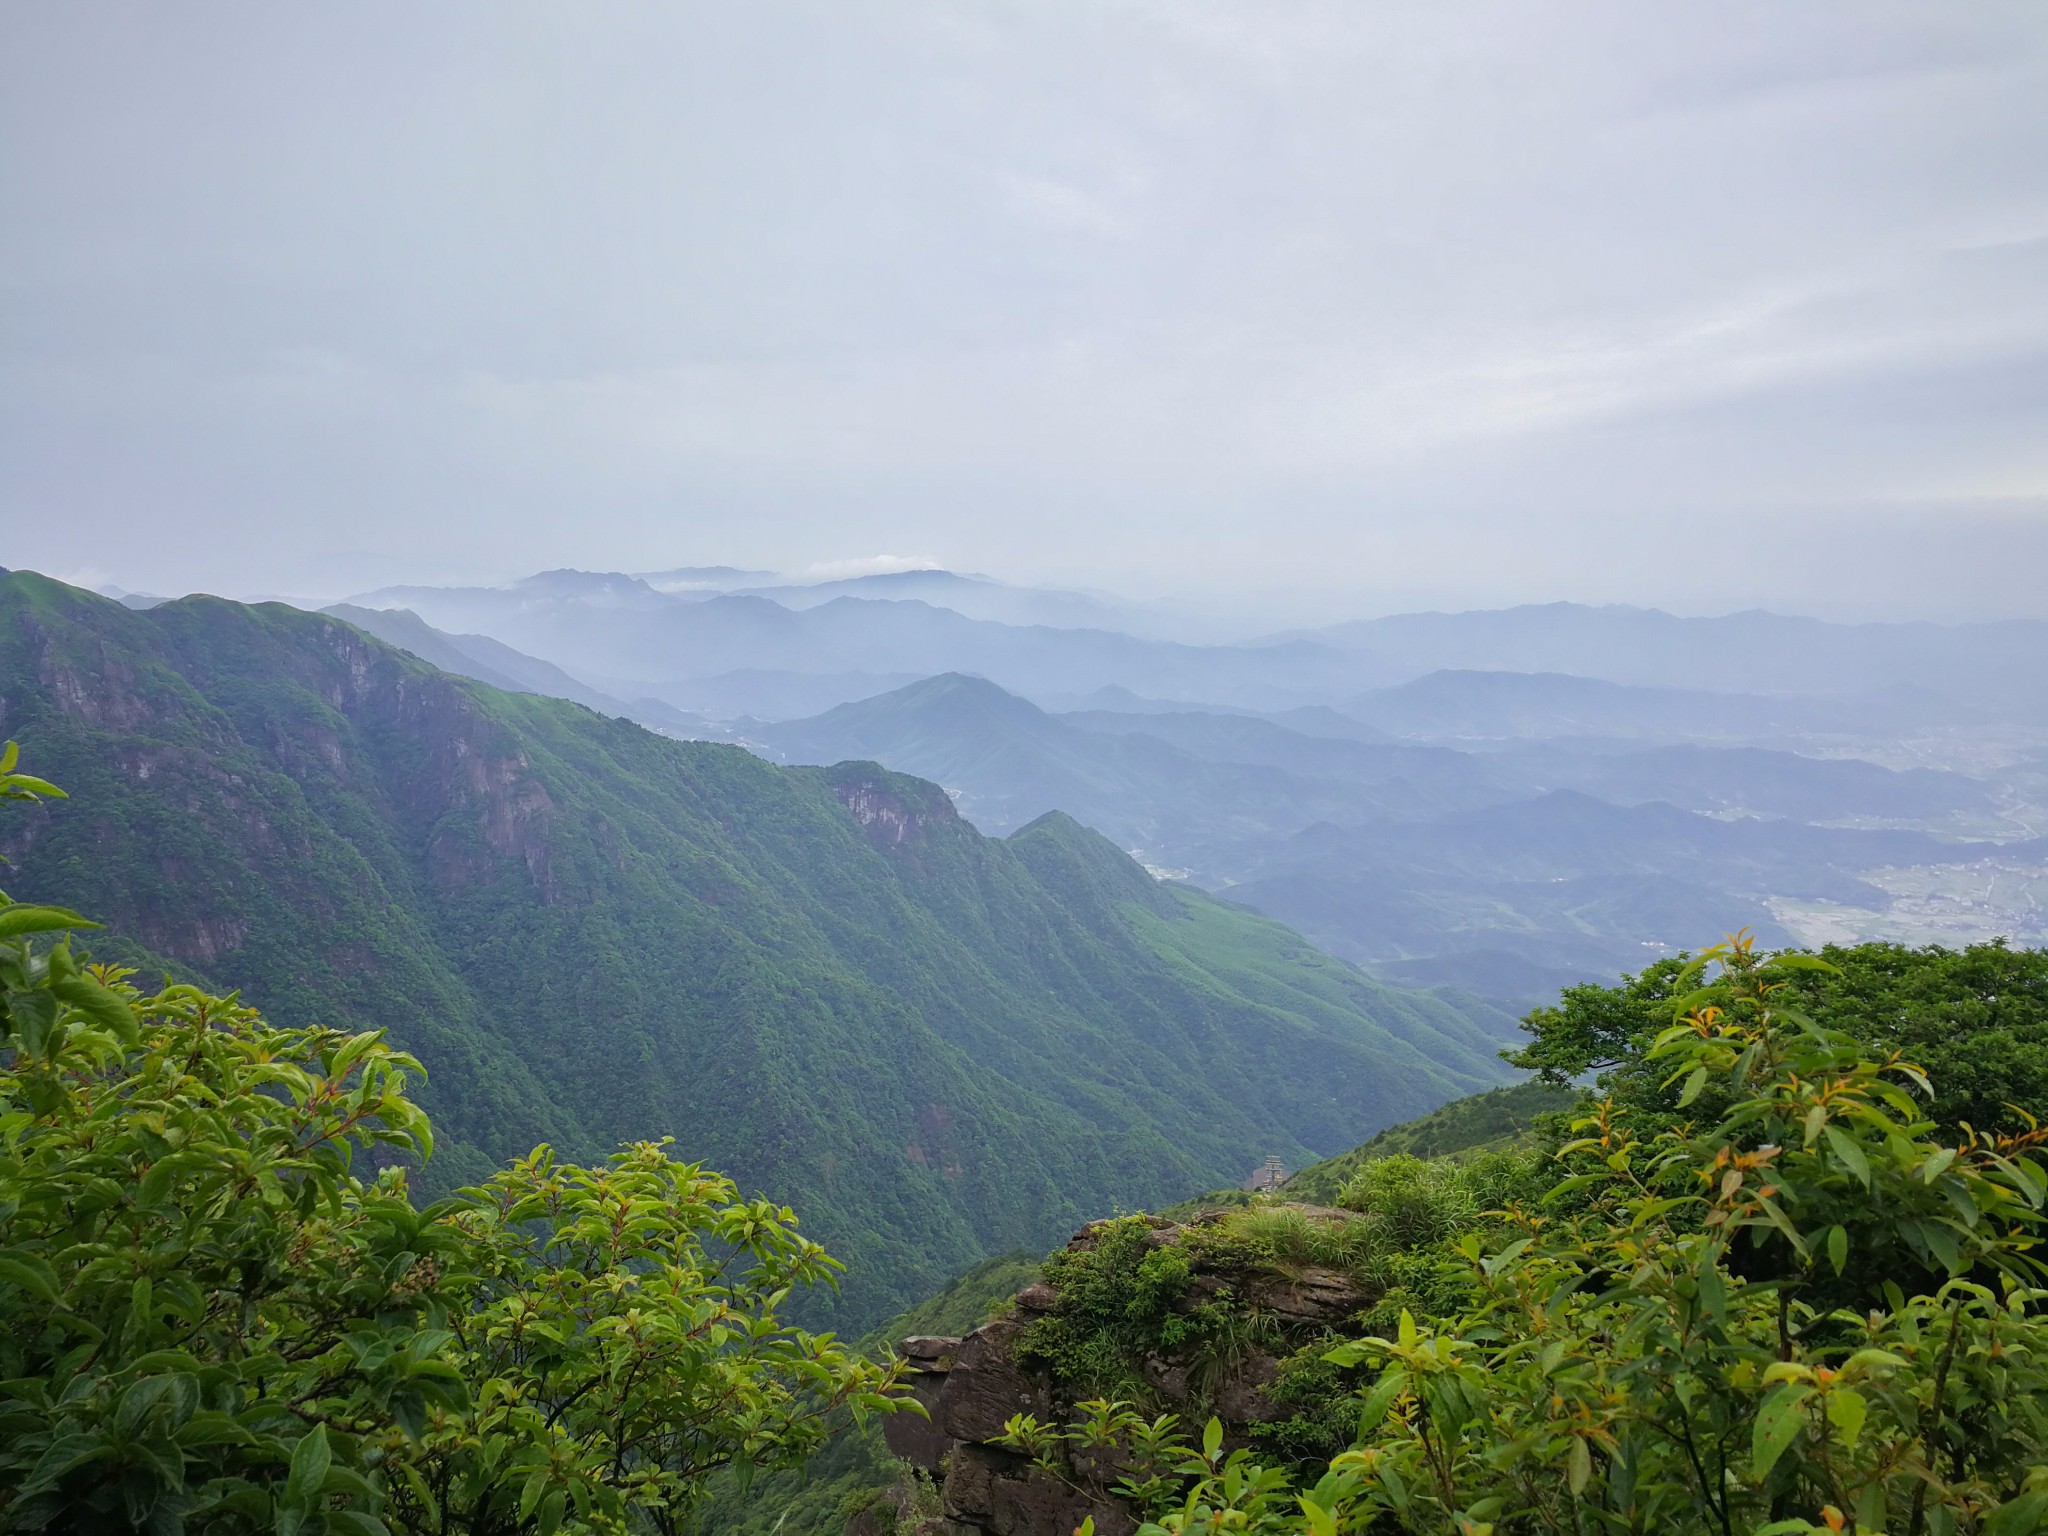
x,y
1752,652
1453,704
1010,761
614,628
974,597
1507,871
936,1044
618,634
490,661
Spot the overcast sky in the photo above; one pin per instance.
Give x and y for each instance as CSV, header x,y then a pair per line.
x,y
1697,305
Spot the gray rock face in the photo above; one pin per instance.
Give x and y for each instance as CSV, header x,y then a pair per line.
x,y
990,1490
986,1385
972,1386
1309,1298
1240,1396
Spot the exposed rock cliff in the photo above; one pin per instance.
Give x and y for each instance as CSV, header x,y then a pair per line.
x,y
1213,1318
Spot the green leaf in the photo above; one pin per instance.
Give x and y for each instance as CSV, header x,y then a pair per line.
x,y
18,918
1851,1155
65,1454
1578,1466
1347,1354
410,1412
104,1007
1846,1411
311,1458
1943,1247
1793,960
211,1429
1778,1423
530,1495
1694,1082
2021,1516
31,1274
416,1483
1212,1438
1838,1247
1937,1165
1393,1381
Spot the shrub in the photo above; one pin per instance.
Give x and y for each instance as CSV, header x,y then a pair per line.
x,y
1811,1311
220,1309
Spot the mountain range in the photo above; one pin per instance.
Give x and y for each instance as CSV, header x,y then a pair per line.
x,y
1998,666
620,634
1507,871
1326,777
613,628
936,1043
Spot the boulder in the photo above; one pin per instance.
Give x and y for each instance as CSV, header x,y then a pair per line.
x,y
918,1438
1308,1298
1240,1396
999,1494
970,1476
986,1386
1037,1504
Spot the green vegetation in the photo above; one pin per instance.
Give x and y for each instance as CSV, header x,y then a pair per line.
x,y
1781,1274
1497,1120
852,1470
1206,1296
1975,1019
220,1309
964,1303
1114,1313
1809,1309
819,980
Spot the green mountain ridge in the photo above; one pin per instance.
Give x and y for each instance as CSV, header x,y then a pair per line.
x,y
935,1044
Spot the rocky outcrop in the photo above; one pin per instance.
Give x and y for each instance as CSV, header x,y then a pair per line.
x,y
970,1387
896,812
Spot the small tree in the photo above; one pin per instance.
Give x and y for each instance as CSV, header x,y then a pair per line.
x,y
210,1318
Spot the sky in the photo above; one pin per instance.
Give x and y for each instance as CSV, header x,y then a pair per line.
x,y
1353,307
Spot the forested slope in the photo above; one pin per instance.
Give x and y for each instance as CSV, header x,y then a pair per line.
x,y
936,1044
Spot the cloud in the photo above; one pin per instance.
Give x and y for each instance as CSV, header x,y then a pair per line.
x,y
867,565
1496,299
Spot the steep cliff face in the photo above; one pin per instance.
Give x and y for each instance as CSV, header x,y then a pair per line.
x,y
1197,1319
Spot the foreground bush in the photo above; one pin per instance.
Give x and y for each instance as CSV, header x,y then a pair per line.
x,y
1809,1312
214,1316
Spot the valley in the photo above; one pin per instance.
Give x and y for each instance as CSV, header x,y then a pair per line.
x,y
937,1044
1024,770
1429,796
957,966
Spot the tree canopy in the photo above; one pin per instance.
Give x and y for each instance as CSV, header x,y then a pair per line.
x,y
1974,1019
